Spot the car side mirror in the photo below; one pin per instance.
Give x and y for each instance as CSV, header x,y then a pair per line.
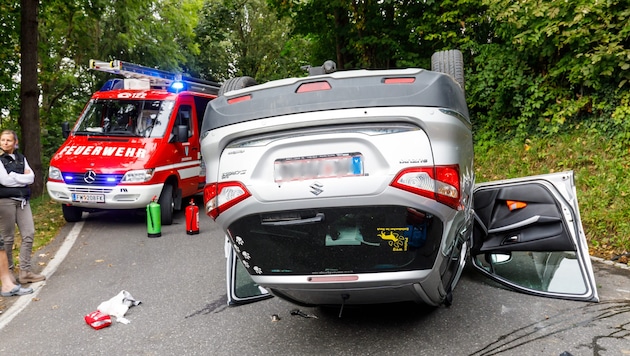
x,y
65,129
181,133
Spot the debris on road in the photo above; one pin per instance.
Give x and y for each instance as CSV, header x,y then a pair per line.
x,y
118,306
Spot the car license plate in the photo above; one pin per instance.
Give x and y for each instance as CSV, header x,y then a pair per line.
x,y
320,166
88,198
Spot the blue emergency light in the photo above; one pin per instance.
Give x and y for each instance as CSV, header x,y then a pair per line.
x,y
113,84
176,87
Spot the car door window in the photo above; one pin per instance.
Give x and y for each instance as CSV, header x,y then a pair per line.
x,y
241,288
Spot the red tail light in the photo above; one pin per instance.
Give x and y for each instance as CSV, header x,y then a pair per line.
x,y
314,86
219,197
410,80
238,99
440,183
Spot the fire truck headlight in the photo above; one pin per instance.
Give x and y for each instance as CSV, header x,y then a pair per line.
x,y
137,176
54,173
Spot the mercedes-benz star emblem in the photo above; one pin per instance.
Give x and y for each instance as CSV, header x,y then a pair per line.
x,y
89,177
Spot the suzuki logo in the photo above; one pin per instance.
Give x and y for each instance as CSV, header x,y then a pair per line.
x,y
89,177
316,188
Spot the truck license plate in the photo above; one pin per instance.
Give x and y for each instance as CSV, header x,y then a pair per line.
x,y
88,198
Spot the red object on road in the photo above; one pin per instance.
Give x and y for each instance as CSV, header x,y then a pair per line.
x,y
98,320
192,218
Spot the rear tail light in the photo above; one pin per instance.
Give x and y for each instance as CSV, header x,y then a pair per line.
x,y
219,197
440,183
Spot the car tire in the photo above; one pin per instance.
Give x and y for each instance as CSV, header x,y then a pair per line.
x,y
236,83
167,205
71,213
450,62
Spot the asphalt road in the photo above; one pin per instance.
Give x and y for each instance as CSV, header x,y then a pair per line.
x,y
180,280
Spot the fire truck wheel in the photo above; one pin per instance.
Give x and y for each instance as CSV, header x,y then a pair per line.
x,y
71,213
236,83
450,62
166,204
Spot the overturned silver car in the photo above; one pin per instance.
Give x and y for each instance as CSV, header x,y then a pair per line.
x,y
358,187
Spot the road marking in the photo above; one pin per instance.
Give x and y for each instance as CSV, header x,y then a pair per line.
x,y
48,271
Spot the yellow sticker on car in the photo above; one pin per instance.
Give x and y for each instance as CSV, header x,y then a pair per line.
x,y
394,237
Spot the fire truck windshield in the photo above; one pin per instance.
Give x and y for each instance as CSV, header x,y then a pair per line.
x,y
124,117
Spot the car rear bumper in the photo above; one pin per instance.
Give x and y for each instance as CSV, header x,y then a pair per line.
x,y
369,288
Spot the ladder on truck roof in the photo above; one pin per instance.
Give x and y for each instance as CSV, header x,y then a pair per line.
x,y
157,78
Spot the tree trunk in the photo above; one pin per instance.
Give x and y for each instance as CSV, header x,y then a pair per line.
x,y
30,140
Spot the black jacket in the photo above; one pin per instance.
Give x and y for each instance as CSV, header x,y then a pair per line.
x,y
16,165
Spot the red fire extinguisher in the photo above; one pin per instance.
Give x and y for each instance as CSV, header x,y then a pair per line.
x,y
192,218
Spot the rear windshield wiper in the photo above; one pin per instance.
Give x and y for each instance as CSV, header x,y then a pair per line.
x,y
286,221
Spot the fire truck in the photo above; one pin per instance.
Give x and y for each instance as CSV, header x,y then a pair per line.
x,y
136,140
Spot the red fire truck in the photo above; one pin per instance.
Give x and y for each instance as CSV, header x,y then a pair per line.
x,y
137,139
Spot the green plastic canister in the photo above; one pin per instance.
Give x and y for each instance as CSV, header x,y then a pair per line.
x,y
154,219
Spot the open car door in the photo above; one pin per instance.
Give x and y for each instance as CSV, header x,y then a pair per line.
x,y
240,286
528,236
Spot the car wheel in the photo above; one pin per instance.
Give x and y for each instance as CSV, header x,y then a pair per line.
x,y
167,205
236,83
71,213
450,62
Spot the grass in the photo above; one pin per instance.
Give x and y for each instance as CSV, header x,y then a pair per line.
x,y
601,178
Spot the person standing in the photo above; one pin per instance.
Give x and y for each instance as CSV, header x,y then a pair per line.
x,y
15,177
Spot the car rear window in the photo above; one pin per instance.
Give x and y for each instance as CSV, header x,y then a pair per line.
x,y
337,240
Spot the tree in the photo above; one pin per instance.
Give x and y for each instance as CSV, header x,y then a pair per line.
x,y
9,50
552,65
244,37
154,33
29,93
385,34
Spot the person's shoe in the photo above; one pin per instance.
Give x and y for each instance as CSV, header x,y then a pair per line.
x,y
30,277
17,291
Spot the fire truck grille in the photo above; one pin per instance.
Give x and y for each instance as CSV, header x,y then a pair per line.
x,y
92,178
91,190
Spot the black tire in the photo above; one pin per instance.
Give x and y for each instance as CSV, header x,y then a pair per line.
x,y
450,62
71,213
236,83
167,205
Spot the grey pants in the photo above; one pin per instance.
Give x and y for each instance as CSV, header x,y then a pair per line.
x,y
11,212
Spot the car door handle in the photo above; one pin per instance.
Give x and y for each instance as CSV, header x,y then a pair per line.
x,y
523,223
319,217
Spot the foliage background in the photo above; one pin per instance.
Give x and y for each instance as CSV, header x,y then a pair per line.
x,y
546,81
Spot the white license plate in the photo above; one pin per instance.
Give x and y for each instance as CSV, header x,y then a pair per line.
x,y
88,198
320,166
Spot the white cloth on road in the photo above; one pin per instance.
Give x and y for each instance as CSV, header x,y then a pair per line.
x,y
118,306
